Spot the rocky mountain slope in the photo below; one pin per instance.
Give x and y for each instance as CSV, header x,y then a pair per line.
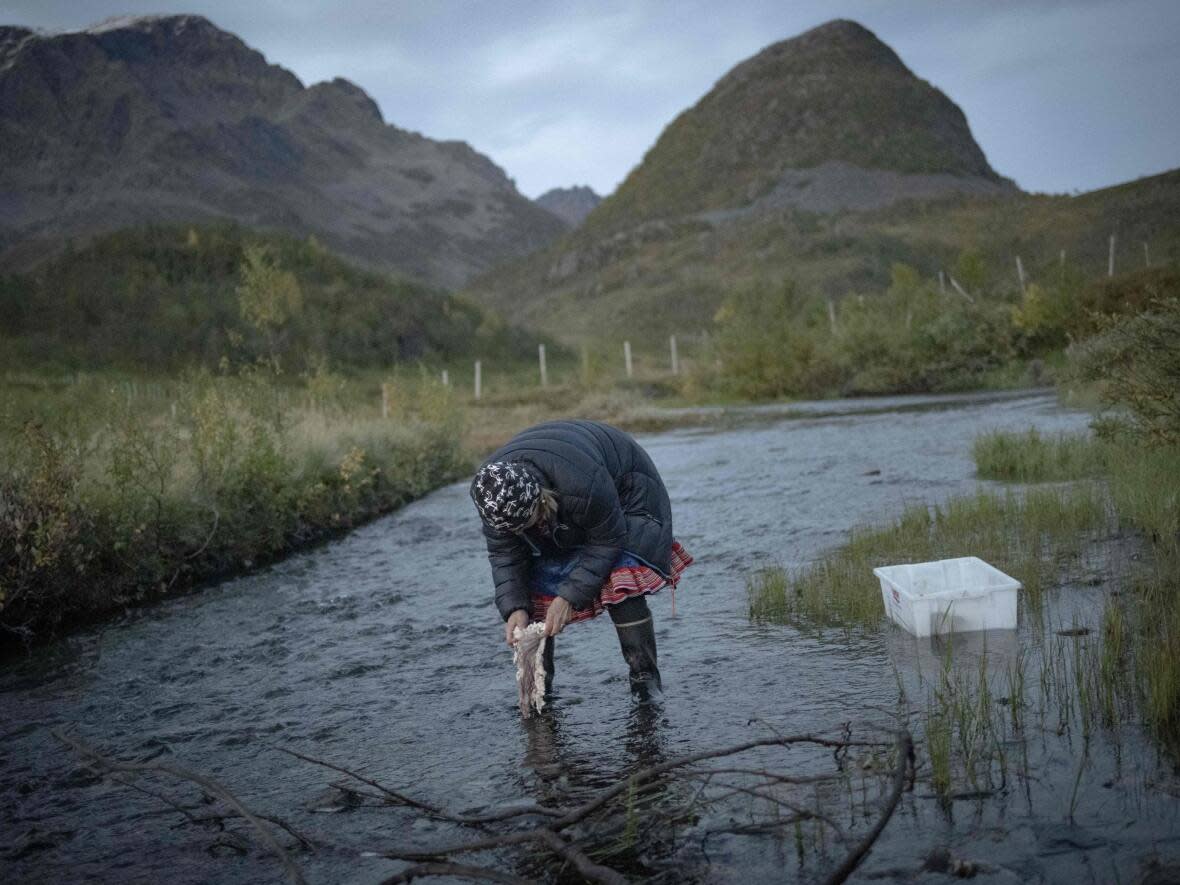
x,y
170,119
570,204
791,121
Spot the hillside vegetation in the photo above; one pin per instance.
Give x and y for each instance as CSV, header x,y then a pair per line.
x,y
167,298
671,278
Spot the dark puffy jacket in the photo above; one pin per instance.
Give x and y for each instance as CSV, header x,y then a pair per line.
x,y
610,499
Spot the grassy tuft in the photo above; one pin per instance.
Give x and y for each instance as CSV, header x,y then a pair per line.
x,y
1022,534
1033,457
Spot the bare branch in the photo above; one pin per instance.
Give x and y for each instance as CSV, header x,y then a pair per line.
x,y
432,810
800,812
391,795
584,865
770,776
453,869
567,851
646,774
212,786
905,765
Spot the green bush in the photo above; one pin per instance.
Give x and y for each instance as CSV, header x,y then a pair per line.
x,y
1136,362
771,344
773,341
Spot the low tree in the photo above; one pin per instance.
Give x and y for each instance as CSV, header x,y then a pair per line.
x,y
268,296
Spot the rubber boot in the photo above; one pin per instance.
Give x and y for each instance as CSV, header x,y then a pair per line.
x,y
637,639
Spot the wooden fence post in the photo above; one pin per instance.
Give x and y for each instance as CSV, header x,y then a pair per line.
x,y
1020,275
446,378
478,379
544,369
627,357
941,283
832,315
1110,260
675,356
961,290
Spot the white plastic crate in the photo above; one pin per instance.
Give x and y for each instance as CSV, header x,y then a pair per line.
x,y
949,596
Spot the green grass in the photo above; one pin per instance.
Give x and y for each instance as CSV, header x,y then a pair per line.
x,y
1126,669
1145,485
112,494
1025,535
1142,479
1033,457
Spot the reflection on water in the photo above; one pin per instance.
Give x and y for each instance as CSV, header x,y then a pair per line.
x,y
383,652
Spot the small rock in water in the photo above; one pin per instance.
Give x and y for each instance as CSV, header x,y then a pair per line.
x,y
942,861
333,800
1156,873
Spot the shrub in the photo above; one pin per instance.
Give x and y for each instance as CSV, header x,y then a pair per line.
x,y
771,344
1136,362
123,502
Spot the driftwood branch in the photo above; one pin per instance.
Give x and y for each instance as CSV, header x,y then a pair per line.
x,y
396,798
646,774
550,834
461,871
547,837
901,776
390,795
436,860
101,761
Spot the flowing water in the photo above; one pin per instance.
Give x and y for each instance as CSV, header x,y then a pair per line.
x,y
383,652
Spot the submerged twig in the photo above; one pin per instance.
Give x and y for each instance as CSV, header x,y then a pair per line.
x,y
463,871
393,796
96,758
901,776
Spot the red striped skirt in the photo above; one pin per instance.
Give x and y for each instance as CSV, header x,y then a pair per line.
x,y
631,578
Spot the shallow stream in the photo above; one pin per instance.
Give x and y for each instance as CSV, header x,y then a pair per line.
x,y
383,652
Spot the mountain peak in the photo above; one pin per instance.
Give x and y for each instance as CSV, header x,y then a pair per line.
x,y
172,23
570,204
840,29
839,41
833,94
346,94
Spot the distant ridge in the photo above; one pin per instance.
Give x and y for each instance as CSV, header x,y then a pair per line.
x,y
171,119
804,110
570,204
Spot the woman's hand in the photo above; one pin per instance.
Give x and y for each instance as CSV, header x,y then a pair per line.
x,y
519,618
559,614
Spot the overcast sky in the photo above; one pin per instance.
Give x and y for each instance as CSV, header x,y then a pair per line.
x,y
1061,95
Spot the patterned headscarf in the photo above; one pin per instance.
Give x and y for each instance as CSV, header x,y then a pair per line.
x,y
505,494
